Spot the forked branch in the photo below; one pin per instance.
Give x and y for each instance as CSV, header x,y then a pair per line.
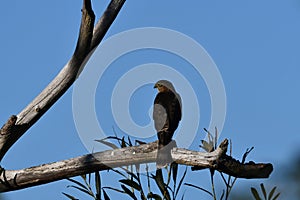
x,y
89,38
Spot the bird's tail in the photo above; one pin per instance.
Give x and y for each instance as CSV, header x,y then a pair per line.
x,y
163,156
165,145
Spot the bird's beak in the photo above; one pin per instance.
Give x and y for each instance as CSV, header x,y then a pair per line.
x,y
155,86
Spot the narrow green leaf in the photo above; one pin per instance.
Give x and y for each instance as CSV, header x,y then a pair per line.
x,y
255,194
272,193
277,195
127,191
114,189
123,144
199,188
180,182
182,197
263,189
210,136
116,136
142,196
168,179
222,196
133,175
70,196
98,185
78,183
148,178
139,142
153,196
230,144
119,140
129,141
137,168
106,197
112,145
113,138
161,184
90,193
89,178
118,172
83,176
174,167
158,177
207,146
205,130
216,138
88,186
131,183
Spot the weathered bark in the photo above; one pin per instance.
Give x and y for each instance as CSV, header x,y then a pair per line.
x,y
199,159
105,21
89,38
249,170
146,153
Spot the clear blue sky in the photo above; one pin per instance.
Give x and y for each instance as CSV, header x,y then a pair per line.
x,y
255,46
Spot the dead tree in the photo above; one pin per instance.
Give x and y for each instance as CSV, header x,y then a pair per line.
x,y
90,36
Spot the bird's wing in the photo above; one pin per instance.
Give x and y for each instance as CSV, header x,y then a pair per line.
x,y
175,109
159,116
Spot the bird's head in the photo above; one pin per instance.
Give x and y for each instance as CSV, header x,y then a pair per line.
x,y
164,86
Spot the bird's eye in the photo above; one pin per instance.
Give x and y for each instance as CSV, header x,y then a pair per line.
x,y
159,85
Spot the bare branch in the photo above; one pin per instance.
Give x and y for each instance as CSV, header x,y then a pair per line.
x,y
146,153
88,39
105,21
249,170
199,159
83,46
235,168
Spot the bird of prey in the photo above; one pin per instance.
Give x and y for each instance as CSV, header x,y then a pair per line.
x,y
166,116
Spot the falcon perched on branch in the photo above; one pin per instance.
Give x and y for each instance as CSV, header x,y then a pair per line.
x,y
166,116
